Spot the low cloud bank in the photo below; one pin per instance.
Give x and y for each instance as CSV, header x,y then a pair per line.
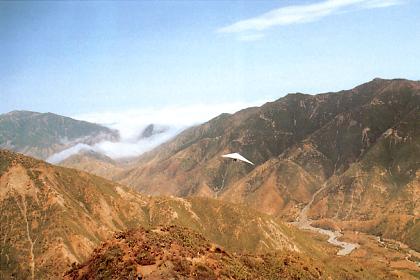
x,y
55,158
167,121
122,149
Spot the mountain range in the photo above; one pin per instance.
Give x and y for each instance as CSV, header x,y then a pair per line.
x,y
361,146
60,222
346,161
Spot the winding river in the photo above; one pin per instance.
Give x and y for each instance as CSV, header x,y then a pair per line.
x,y
304,223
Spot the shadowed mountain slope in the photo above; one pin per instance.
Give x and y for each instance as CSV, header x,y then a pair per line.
x,y
380,194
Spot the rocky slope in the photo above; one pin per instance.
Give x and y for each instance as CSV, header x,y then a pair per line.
x,y
42,135
95,163
299,144
172,252
380,193
53,216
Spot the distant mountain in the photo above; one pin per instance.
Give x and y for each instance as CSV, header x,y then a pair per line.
x,y
53,216
152,130
44,134
99,164
360,145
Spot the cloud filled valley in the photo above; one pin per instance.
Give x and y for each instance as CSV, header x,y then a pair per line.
x,y
141,130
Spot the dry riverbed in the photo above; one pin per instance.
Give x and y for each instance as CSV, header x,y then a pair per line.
x,y
304,223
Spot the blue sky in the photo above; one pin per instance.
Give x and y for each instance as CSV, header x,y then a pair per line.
x,y
75,58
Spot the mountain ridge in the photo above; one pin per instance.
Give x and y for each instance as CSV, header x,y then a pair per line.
x,y
298,143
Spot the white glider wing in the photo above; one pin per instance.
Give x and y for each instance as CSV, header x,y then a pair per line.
x,y
237,156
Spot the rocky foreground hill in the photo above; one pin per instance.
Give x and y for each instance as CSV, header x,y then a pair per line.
x,y
172,252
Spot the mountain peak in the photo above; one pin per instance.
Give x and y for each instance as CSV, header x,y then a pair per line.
x,y
394,81
21,112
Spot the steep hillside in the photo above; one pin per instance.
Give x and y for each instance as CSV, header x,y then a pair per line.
x,y
299,144
54,216
93,162
380,194
330,151
42,135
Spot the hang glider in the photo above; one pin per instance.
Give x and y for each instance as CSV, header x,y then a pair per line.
x,y
236,156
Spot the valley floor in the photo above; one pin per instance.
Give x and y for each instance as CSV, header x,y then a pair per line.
x,y
390,256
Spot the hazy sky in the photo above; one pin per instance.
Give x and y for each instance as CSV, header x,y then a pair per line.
x,y
76,58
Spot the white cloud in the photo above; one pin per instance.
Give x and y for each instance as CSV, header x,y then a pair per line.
x,y
55,158
131,123
296,14
134,148
373,4
251,37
